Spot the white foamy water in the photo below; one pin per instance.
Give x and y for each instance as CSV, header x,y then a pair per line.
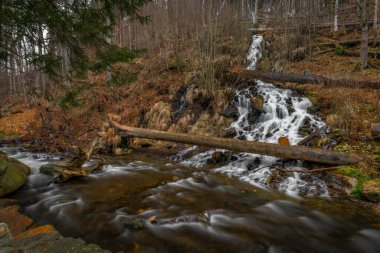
x,y
255,51
284,114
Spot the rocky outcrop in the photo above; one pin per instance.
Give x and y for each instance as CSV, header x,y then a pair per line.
x,y
19,234
13,174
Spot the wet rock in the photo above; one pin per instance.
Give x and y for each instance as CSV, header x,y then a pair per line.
x,y
339,186
15,235
51,169
228,133
135,224
17,222
220,157
253,116
46,229
178,103
203,218
5,234
371,190
13,174
257,102
52,243
254,164
230,112
7,202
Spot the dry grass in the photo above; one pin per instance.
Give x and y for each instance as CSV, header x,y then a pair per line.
x,y
22,122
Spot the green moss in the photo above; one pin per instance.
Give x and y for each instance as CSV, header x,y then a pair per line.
x,y
339,50
357,191
350,171
369,107
13,175
360,174
2,134
305,131
311,93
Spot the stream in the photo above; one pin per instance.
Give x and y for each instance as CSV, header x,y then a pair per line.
x,y
145,203
195,209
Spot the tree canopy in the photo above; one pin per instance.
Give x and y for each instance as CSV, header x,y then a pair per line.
x,y
49,34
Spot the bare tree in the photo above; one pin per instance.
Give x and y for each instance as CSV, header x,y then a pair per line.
x,y
336,15
375,22
362,8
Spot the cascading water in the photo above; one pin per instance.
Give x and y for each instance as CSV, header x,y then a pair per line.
x,y
255,52
283,114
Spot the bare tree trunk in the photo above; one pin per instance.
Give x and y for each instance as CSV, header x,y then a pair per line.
x,y
336,13
254,13
375,22
364,31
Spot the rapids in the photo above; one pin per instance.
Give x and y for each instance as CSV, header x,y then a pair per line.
x,y
208,211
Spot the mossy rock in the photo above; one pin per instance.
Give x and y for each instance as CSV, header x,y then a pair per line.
x,y
371,190
51,169
13,174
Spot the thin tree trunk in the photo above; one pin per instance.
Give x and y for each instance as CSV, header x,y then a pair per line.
x,y
336,13
364,30
375,22
254,15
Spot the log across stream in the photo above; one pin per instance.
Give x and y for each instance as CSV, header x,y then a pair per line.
x,y
287,152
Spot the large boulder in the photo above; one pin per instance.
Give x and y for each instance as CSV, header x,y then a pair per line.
x,y
13,174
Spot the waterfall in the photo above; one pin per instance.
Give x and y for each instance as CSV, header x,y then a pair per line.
x,y
283,114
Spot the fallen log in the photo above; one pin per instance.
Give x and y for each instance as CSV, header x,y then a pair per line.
x,y
311,136
286,152
66,169
371,54
303,79
346,43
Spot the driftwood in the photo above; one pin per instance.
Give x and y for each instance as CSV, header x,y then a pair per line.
x,y
66,169
303,79
311,136
286,152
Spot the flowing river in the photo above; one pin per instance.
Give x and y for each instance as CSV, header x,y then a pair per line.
x,y
143,203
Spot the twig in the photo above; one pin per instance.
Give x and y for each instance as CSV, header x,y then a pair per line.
x,y
304,171
298,171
